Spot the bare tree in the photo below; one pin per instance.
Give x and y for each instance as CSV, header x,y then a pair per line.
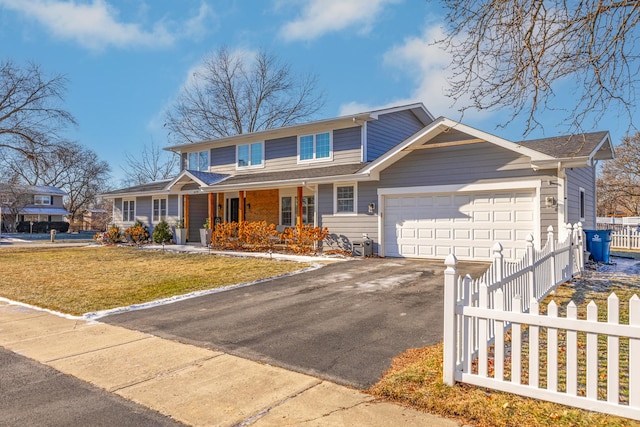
x,y
232,94
619,182
513,54
152,164
69,166
14,197
30,114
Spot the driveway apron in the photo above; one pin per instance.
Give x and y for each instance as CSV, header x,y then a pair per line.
x,y
343,322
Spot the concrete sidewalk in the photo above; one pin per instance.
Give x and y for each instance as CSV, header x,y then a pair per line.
x,y
192,385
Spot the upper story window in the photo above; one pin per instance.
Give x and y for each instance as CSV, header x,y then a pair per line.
x,y
315,147
250,155
198,161
128,210
41,200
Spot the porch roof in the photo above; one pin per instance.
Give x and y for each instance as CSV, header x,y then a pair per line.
x,y
43,211
296,176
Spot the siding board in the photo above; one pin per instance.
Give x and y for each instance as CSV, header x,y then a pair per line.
x,y
388,131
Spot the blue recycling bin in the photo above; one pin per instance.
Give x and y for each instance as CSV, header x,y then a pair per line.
x,y
599,244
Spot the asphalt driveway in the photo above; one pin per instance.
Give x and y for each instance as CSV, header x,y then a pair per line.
x,y
343,322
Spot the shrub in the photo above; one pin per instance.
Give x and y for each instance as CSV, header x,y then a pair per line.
x,y
110,237
225,236
138,233
257,235
304,239
162,233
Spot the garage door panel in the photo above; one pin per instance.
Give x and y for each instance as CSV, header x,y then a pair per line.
x,y
481,234
466,224
503,216
482,216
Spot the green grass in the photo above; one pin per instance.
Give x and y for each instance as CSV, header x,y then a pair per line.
x,y
81,280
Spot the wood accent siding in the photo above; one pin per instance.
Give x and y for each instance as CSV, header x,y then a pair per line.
x,y
264,206
388,131
585,178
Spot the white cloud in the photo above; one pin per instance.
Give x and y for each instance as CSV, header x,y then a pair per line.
x,y
425,64
319,17
95,25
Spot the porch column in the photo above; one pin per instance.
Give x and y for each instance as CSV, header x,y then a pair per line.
x,y
221,206
299,222
186,215
241,207
212,208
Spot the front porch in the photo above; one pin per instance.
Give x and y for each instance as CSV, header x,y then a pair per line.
x,y
283,207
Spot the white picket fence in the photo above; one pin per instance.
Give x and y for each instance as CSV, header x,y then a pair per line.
x,y
479,315
626,239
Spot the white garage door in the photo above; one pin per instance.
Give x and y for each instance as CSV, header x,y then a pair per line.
x,y
467,224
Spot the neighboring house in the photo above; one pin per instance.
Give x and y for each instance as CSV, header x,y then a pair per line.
x,y
38,204
418,186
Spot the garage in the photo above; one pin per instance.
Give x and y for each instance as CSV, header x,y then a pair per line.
x,y
467,224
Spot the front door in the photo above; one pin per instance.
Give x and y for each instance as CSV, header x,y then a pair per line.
x,y
233,210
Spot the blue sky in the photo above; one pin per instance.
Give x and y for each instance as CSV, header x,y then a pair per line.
x,y
127,60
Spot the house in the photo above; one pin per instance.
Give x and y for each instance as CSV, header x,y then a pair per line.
x,y
419,186
37,208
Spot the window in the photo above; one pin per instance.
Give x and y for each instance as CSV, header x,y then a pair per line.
x,y
250,155
159,210
308,207
314,147
345,198
41,200
286,216
289,210
128,210
199,161
582,204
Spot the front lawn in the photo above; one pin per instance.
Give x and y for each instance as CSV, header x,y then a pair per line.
x,y
82,280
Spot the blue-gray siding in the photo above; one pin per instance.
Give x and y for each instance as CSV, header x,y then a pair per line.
x,y
198,212
388,131
585,178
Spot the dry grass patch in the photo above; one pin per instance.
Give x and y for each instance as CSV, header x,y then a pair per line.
x,y
415,378
81,280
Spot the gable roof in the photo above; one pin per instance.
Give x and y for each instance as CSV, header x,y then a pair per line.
x,y
340,122
574,150
203,179
139,190
45,190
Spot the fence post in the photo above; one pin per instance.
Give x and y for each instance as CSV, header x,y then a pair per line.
x,y
531,267
552,246
569,229
498,263
450,324
580,245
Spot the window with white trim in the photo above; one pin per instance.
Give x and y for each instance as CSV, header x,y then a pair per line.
x,y
318,146
128,210
582,202
345,198
159,210
42,200
250,155
198,161
286,211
